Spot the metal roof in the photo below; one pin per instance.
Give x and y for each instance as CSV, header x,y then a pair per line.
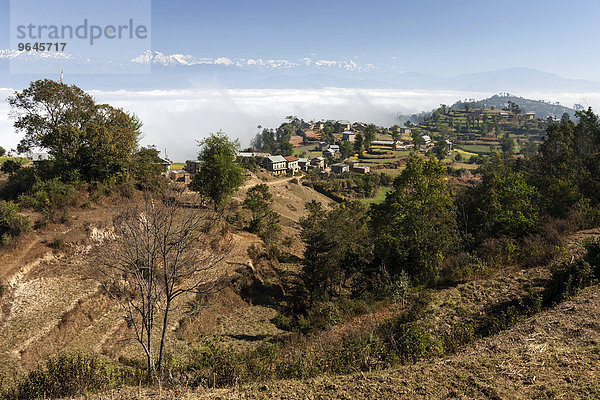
x,y
275,159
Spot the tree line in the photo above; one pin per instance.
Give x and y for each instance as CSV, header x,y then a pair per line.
x,y
437,233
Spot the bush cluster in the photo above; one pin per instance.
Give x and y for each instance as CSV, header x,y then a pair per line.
x,y
71,374
12,224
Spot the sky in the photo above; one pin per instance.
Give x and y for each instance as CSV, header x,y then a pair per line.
x,y
440,37
427,36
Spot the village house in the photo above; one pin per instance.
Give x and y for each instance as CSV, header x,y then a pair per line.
x,y
318,162
404,145
345,125
335,148
292,164
329,152
166,162
246,154
359,126
191,166
361,169
384,143
348,136
323,146
179,176
404,130
303,163
38,158
276,164
332,150
427,140
340,168
530,115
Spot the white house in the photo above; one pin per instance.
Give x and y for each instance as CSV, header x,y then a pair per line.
x,y
276,164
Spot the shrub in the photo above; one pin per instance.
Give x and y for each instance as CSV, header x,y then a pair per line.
x,y
49,197
355,352
324,315
458,336
411,342
12,224
462,266
282,322
507,314
592,248
567,280
71,375
57,244
215,364
20,182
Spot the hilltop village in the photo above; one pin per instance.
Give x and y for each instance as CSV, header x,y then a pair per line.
x,y
461,136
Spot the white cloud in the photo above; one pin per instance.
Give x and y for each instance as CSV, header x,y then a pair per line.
x,y
174,119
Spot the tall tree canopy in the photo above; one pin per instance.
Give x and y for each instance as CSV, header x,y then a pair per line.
x,y
369,135
87,140
568,165
504,204
219,175
337,246
416,224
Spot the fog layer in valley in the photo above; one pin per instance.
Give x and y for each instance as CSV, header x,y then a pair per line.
x,y
174,119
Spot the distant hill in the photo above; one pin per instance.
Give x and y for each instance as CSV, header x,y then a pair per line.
x,y
178,71
541,108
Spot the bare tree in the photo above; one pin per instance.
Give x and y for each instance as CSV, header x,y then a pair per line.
x,y
158,251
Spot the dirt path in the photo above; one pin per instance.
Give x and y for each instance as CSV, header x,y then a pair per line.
x,y
272,183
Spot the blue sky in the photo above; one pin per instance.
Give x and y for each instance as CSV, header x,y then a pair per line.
x,y
429,36
440,37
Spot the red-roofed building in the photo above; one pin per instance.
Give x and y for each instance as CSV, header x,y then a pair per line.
x,y
292,164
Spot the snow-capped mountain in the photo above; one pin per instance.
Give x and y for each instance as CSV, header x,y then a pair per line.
x,y
165,60
34,55
157,70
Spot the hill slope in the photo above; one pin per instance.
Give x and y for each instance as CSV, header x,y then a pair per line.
x,y
541,108
555,354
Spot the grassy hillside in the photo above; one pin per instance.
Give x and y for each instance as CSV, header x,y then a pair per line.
x,y
549,354
541,108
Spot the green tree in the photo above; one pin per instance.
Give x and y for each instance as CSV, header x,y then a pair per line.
x,y
328,130
12,224
508,145
346,149
440,149
264,221
369,135
147,168
503,204
87,140
415,226
219,175
513,107
359,144
417,139
10,166
2,151
337,246
567,166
